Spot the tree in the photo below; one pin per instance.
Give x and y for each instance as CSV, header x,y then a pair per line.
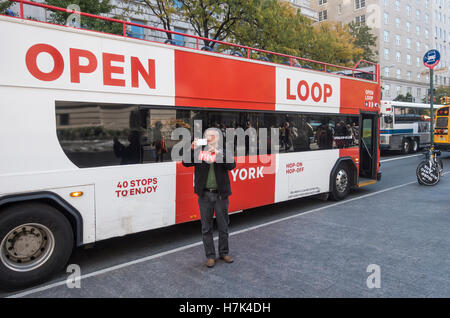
x,y
442,91
403,98
4,5
214,19
276,26
100,7
439,92
164,10
334,44
364,39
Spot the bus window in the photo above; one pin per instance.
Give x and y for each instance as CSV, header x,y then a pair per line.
x,y
94,135
406,114
158,131
442,122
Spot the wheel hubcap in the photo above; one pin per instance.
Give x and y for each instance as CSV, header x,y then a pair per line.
x,y
27,247
341,181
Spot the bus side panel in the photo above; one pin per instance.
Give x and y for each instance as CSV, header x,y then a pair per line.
x,y
135,198
353,153
186,205
253,182
252,185
84,204
359,95
212,81
306,91
303,174
113,60
28,184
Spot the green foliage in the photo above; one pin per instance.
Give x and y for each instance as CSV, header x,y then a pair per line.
x,y
5,5
442,91
164,10
365,40
100,7
214,19
271,25
274,26
403,98
91,133
333,43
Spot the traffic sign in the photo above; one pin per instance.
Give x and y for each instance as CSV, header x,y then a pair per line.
x,y
431,59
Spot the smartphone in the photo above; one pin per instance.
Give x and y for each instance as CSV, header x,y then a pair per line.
x,y
202,142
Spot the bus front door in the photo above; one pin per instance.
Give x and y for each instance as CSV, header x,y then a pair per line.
x,y
368,146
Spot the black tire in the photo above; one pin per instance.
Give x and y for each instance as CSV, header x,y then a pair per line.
x,y
414,146
340,191
55,257
406,146
441,165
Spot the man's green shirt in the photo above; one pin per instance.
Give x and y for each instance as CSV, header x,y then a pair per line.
x,y
211,180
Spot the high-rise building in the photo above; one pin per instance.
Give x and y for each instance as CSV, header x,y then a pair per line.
x,y
440,34
405,30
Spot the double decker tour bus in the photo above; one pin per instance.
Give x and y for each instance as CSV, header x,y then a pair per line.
x,y
86,122
404,126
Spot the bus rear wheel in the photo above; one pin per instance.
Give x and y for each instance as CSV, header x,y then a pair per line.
x,y
36,241
406,146
341,181
414,145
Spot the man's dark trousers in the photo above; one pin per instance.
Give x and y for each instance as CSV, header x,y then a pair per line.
x,y
209,203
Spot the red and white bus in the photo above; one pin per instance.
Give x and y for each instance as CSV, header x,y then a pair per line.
x,y
85,127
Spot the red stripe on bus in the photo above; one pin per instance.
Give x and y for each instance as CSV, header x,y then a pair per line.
x,y
359,95
213,81
252,185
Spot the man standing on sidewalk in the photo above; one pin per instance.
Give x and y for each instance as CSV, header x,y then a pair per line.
x,y
212,185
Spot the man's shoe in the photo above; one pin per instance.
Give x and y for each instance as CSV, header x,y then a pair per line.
x,y
227,259
210,262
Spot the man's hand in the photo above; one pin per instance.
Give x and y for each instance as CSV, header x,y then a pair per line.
x,y
194,144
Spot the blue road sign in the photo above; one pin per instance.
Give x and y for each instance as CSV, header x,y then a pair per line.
x,y
431,59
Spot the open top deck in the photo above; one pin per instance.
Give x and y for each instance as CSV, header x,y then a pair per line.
x,y
363,69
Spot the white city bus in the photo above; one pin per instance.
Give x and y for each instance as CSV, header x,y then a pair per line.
x,y
404,126
86,122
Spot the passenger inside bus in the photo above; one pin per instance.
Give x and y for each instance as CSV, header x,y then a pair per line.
x,y
130,154
95,135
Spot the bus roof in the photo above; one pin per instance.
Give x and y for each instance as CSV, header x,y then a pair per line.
x,y
385,104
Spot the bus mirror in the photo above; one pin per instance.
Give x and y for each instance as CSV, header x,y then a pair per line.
x,y
388,119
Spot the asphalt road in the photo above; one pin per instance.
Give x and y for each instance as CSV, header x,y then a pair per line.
x,y
300,248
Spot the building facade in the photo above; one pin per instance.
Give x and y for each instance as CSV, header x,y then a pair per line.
x,y
138,12
305,8
405,30
441,37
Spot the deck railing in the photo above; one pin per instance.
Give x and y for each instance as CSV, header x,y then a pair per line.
x,y
225,47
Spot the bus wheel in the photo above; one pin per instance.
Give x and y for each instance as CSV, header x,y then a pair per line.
x,y
341,183
36,241
406,146
414,145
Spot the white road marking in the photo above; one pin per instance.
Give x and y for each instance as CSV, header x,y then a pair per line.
x,y
403,157
182,248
